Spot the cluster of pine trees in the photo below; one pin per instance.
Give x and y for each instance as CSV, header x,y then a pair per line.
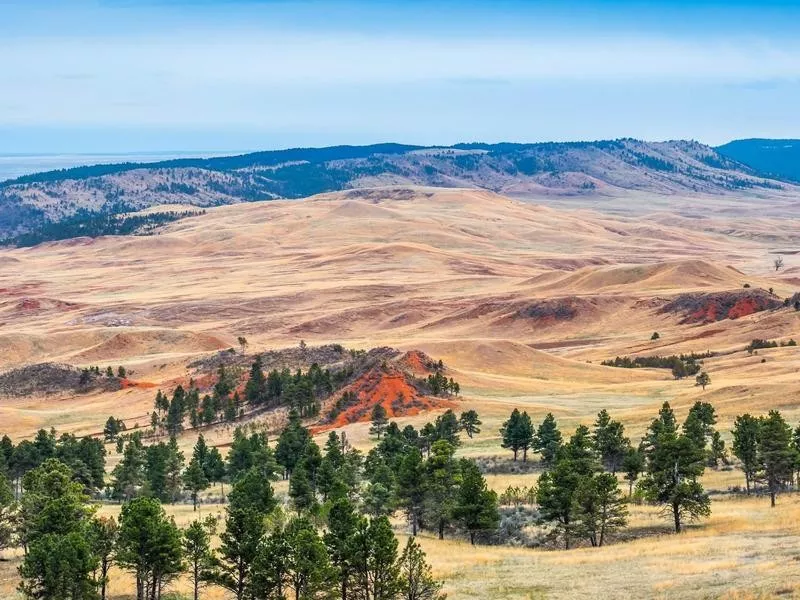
x,y
333,538
223,404
769,452
683,365
579,491
412,471
300,391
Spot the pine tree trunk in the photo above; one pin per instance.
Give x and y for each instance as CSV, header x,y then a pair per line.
x,y
676,514
472,537
441,529
772,497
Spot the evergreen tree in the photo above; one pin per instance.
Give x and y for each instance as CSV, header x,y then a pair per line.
x,y
776,457
255,390
442,479
746,436
703,380
547,440
339,539
379,421
149,545
376,572
476,505
54,531
214,468
411,487
598,508
674,462
308,569
447,428
380,498
470,423
610,441
633,465
196,544
8,513
269,576
510,433
173,470
291,443
416,580
194,479
574,463
129,475
250,501
103,535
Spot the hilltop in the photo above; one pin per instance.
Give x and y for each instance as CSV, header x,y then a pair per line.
x,y
601,169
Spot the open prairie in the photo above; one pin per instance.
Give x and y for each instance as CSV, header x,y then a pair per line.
x,y
520,301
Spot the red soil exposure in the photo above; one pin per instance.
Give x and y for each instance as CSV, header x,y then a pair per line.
x,y
416,362
127,383
37,304
707,308
389,386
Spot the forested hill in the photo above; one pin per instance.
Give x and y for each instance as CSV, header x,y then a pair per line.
x,y
603,168
775,158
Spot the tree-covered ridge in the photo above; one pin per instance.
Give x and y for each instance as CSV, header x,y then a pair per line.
x,y
89,224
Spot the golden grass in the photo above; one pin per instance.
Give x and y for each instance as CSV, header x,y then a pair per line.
x,y
444,271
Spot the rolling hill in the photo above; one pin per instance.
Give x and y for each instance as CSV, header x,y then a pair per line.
x,y
602,169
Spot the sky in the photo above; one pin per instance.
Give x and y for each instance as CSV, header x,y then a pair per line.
x,y
213,75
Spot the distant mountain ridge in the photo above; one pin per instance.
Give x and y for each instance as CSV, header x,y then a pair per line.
x,y
602,168
775,158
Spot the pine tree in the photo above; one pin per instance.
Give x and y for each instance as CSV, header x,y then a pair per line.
x,y
194,479
197,549
547,440
255,390
442,478
291,443
103,535
470,423
342,525
746,440
376,572
54,531
475,508
379,421
149,545
633,465
308,569
250,501
674,462
775,454
598,508
411,486
510,433
416,579
610,441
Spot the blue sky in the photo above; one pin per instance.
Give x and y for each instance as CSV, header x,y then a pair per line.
x,y
125,76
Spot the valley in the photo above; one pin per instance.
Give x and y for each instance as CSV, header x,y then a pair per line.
x,y
521,302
